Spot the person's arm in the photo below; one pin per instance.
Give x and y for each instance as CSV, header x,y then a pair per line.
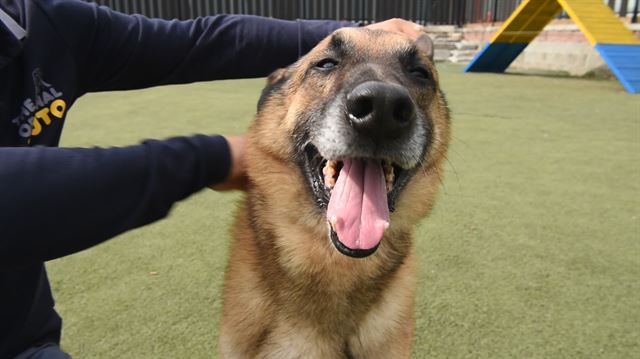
x,y
115,51
57,201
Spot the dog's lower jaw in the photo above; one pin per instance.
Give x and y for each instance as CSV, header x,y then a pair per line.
x,y
354,253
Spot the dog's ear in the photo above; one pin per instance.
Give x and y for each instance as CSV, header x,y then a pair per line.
x,y
276,76
425,45
274,83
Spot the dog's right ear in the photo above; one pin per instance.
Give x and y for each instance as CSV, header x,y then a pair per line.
x,y
274,82
425,44
276,76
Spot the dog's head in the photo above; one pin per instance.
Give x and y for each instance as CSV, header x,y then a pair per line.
x,y
352,137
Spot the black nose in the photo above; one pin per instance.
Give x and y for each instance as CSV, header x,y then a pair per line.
x,y
381,110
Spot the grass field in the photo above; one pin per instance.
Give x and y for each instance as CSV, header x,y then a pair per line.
x,y
533,250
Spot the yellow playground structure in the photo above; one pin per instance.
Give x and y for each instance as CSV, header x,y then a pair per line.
x,y
619,48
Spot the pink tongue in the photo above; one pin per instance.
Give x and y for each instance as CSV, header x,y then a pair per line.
x,y
358,204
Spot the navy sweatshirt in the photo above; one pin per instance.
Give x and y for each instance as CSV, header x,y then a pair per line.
x,y
57,201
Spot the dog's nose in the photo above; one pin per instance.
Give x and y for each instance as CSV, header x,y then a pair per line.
x,y
381,110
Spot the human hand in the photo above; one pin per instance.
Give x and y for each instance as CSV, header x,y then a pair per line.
x,y
237,174
408,28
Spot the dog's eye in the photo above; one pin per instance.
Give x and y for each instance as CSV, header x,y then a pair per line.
x,y
326,64
420,73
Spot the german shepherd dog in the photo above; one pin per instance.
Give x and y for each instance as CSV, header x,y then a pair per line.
x,y
344,158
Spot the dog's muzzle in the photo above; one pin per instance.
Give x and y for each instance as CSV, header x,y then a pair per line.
x,y
359,158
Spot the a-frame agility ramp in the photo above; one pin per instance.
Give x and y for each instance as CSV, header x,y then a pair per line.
x,y
617,45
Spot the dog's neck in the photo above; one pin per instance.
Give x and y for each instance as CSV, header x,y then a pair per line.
x,y
323,279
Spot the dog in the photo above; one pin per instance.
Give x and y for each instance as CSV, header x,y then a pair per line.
x,y
344,158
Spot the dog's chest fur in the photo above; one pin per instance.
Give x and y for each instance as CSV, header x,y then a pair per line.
x,y
281,310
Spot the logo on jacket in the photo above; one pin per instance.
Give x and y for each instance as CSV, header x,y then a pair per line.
x,y
40,111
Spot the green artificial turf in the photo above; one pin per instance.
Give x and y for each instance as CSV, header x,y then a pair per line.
x,y
533,250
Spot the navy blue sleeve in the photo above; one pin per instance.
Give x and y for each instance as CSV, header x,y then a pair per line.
x,y
117,51
57,201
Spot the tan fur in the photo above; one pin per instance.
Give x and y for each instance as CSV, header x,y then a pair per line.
x,y
288,292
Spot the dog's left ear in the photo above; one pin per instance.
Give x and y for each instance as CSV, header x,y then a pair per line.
x,y
424,44
276,76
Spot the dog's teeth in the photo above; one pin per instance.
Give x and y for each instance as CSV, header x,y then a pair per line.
x,y
332,221
386,225
329,172
329,181
389,175
329,169
389,183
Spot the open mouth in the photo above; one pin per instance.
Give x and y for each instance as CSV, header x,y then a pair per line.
x,y
358,194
